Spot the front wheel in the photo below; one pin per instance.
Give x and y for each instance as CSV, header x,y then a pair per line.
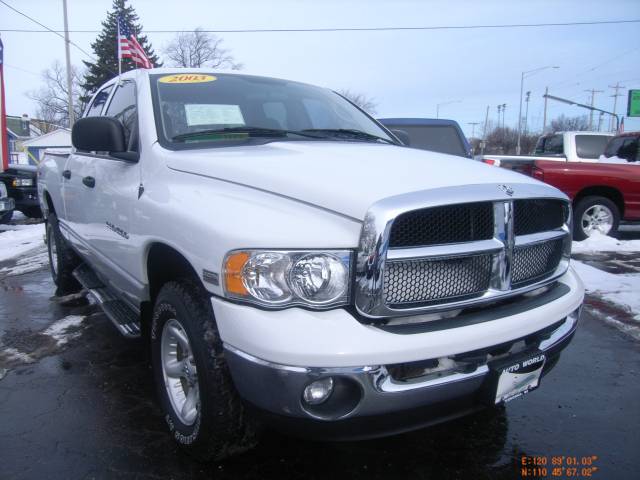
x,y
62,259
202,409
593,215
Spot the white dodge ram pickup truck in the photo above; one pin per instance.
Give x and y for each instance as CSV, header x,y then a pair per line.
x,y
291,264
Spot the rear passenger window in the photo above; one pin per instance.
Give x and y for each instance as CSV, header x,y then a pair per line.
x,y
98,102
123,108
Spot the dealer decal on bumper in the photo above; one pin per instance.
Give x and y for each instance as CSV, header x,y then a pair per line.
x,y
514,377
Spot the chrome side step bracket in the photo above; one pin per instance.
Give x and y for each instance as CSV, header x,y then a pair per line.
x,y
125,318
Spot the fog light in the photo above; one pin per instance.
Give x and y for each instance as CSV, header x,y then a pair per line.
x,y
318,392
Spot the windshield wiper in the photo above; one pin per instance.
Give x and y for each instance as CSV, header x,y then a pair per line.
x,y
251,131
347,133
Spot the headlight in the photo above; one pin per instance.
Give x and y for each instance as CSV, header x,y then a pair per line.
x,y
280,279
22,182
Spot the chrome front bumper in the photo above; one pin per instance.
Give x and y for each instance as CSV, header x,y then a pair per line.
x,y
7,204
368,391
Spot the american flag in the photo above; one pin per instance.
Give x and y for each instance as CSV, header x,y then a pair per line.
x,y
128,46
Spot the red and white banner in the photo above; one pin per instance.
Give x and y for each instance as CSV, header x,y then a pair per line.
x,y
4,136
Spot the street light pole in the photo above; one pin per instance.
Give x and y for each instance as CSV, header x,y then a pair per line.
x,y
526,111
438,105
522,76
520,114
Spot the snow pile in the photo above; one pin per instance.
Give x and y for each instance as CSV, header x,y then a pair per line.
x,y
623,290
603,243
65,329
36,259
15,240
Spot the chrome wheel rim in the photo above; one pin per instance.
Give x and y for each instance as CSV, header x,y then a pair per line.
x,y
53,253
597,219
179,372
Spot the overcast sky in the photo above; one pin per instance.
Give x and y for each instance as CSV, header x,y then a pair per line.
x,y
407,73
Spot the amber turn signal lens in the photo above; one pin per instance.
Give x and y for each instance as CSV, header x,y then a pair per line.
x,y
233,273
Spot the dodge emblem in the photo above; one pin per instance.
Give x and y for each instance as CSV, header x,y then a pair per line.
x,y
507,189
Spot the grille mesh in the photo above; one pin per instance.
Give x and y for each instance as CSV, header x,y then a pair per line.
x,y
440,225
533,262
424,281
537,215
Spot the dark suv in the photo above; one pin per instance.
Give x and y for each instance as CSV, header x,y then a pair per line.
x,y
434,134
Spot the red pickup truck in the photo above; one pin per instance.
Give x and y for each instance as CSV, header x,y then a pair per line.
x,y
603,193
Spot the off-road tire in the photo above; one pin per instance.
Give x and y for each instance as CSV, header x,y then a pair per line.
x,y
67,260
221,428
6,217
583,205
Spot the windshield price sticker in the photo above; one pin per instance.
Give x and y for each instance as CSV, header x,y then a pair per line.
x,y
187,78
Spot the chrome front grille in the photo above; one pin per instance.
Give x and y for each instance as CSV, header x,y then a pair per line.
x,y
423,281
446,224
460,246
533,262
534,215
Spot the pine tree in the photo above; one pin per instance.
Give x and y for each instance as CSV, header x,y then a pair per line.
x,y
106,52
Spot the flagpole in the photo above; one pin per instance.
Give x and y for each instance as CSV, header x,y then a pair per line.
x,y
119,53
4,146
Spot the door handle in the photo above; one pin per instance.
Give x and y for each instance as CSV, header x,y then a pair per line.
x,y
89,181
67,174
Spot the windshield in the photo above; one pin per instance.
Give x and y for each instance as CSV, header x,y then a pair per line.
x,y
195,110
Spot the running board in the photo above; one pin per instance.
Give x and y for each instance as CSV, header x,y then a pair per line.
x,y
125,318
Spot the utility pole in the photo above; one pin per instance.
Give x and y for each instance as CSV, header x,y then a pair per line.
x,y
600,117
499,116
593,92
615,101
526,112
473,128
504,107
544,118
484,134
68,57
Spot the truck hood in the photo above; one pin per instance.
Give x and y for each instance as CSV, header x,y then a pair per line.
x,y
344,177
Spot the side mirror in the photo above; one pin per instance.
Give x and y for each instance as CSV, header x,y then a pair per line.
x,y
99,134
402,136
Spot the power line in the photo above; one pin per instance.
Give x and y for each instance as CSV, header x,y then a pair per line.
x,y
345,29
55,32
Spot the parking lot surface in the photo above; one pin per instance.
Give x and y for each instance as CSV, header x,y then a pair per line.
x,y
76,401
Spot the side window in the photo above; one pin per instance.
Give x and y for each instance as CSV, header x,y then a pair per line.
x,y
95,109
123,107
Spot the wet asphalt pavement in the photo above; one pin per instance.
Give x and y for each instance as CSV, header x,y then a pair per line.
x,y
78,402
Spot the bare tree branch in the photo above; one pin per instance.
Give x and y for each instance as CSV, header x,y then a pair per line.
x,y
368,104
570,124
199,49
51,98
